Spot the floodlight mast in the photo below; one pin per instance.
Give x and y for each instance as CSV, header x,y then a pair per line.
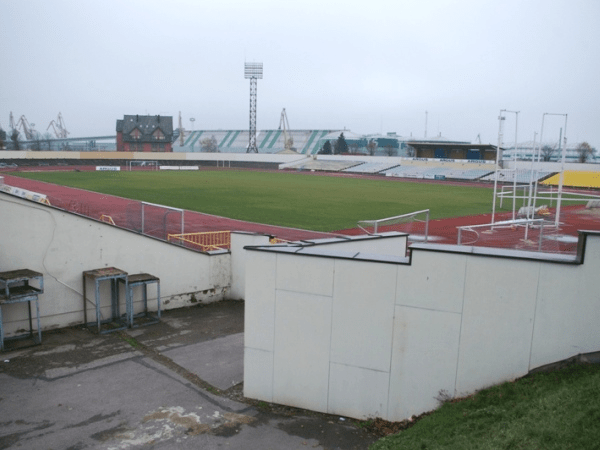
x,y
253,72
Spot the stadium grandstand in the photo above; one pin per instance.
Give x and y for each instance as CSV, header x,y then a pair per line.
x,y
521,175
268,141
310,142
572,178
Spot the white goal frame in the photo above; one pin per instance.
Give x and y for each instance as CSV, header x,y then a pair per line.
x,y
401,219
136,162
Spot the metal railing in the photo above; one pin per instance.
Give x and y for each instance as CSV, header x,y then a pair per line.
x,y
106,218
210,240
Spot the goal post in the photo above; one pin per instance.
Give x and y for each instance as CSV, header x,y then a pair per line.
x,y
145,165
416,224
160,221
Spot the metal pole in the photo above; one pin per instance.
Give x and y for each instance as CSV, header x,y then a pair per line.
x,y
531,178
142,217
538,160
515,163
562,176
500,119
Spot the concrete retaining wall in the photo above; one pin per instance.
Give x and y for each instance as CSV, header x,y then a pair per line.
x,y
62,245
367,337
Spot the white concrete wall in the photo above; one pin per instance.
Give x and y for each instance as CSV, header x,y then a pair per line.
x,y
238,260
62,245
393,243
362,338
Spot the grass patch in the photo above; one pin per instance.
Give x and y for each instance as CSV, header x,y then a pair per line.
x,y
556,410
320,203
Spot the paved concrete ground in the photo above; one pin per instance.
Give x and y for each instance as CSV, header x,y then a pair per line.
x,y
173,385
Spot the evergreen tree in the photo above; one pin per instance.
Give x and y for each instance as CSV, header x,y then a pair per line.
x,y
326,150
341,146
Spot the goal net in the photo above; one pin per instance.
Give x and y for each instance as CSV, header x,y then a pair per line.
x,y
159,221
142,165
416,224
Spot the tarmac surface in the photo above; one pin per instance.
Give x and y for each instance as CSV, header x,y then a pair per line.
x,y
173,385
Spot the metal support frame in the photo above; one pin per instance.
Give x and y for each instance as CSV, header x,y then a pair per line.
x,y
252,140
16,289
113,275
253,71
143,280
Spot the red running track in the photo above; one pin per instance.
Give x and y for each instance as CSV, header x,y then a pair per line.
x,y
122,210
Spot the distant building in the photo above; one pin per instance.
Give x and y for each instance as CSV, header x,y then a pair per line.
x,y
145,134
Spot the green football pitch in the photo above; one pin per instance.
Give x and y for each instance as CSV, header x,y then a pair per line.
x,y
314,202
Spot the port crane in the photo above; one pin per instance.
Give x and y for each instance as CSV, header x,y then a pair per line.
x,y
58,125
28,131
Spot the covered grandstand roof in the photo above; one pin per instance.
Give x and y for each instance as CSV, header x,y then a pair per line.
x,y
455,145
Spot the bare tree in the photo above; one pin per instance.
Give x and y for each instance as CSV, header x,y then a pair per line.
x,y
14,137
548,152
372,146
36,144
209,145
354,146
585,152
48,140
390,150
410,151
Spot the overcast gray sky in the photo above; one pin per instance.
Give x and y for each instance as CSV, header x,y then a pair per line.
x,y
370,66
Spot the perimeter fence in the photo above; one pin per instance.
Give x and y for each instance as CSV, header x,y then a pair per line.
x,y
149,219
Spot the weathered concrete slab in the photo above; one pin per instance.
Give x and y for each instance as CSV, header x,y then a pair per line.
x,y
219,362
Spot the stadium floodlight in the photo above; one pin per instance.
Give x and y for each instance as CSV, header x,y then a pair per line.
x,y
253,71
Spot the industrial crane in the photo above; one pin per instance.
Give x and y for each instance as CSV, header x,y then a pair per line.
x,y
28,130
58,125
288,141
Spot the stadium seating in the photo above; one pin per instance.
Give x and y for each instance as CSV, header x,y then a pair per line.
x,y
267,141
522,176
324,165
371,168
576,179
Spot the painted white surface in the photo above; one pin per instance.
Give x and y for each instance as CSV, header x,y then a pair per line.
x,y
435,281
258,374
62,245
238,261
393,337
497,321
259,314
301,353
358,392
363,314
567,308
389,246
309,274
424,359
